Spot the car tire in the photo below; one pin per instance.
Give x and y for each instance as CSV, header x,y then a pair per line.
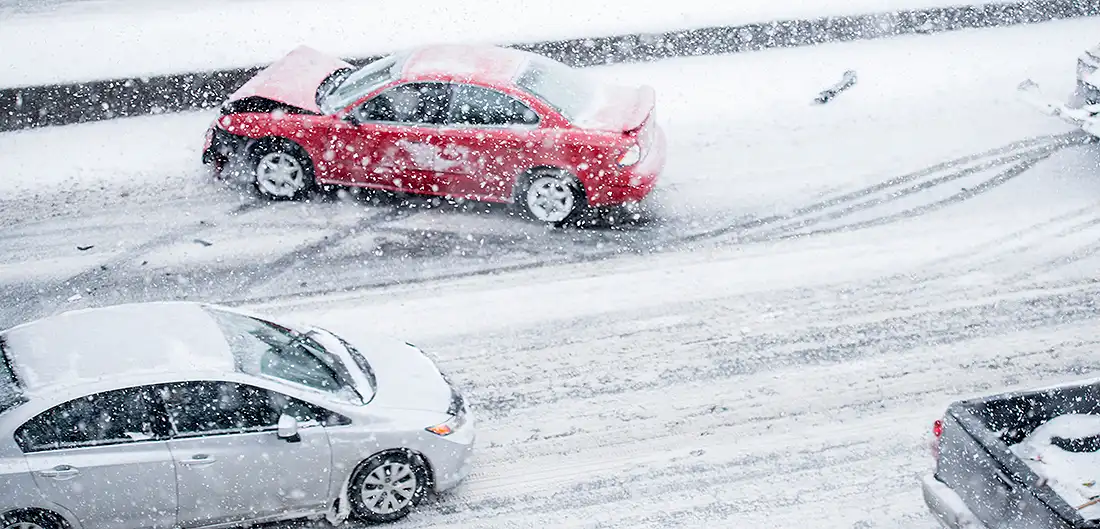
x,y
551,196
281,170
29,520
386,487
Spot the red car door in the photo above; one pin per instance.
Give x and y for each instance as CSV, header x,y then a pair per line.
x,y
395,143
491,137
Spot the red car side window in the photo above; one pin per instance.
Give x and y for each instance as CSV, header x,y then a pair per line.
x,y
412,103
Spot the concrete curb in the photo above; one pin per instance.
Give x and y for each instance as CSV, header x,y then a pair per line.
x,y
64,104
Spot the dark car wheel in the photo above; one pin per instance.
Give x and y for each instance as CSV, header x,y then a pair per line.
x,y
386,487
282,170
551,196
29,520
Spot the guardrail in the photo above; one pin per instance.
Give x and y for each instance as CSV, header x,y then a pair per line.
x,y
63,104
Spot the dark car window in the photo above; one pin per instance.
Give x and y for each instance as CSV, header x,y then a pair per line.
x,y
411,104
476,105
114,417
206,408
10,393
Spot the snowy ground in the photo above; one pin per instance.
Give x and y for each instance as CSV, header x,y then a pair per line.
x,y
720,370
101,39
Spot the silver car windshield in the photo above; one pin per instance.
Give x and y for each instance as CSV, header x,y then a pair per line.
x,y
360,82
558,85
10,394
270,350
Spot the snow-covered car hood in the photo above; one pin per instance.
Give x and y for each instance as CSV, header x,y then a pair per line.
x,y
404,377
292,80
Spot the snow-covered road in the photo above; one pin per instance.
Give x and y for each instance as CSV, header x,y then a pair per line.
x,y
706,368
122,210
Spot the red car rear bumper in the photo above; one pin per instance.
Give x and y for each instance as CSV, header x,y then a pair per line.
x,y
639,179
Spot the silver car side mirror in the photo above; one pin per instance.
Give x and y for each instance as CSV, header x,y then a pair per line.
x,y
288,429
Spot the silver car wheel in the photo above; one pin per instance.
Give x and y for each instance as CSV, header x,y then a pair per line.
x,y
280,174
389,488
23,525
550,199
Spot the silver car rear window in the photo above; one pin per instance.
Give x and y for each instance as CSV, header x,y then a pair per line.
x,y
11,394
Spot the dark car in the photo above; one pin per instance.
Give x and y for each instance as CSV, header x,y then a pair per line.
x,y
1021,460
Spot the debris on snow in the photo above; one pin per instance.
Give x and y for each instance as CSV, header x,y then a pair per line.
x,y
846,82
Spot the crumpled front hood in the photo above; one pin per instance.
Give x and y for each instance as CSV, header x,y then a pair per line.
x,y
292,80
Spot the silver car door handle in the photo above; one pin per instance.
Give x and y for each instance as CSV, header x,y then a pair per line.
x,y
199,460
60,473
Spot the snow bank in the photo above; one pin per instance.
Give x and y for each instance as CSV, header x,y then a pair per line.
x,y
125,38
1075,476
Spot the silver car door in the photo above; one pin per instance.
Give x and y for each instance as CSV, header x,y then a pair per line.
x,y
231,465
105,458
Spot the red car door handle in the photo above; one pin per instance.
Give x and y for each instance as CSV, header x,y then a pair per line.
x,y
60,472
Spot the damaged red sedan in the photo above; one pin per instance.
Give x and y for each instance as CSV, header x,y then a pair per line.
x,y
472,122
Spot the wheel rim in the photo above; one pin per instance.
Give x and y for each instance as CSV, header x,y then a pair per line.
x,y
280,174
23,525
389,488
550,199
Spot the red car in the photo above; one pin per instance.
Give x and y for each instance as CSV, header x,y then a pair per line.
x,y
473,122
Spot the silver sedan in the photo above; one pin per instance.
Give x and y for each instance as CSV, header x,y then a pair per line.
x,y
192,415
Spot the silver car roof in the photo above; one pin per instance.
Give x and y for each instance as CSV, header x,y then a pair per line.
x,y
94,345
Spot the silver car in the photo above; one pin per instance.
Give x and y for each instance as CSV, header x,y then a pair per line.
x,y
194,415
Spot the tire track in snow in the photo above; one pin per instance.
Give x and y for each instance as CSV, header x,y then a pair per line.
x,y
86,281
808,347
860,416
1026,152
306,252
1031,158
1077,255
1019,156
1002,248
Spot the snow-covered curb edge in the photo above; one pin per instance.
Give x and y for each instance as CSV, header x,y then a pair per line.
x,y
63,104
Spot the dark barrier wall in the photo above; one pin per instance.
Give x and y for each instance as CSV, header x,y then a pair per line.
x,y
37,106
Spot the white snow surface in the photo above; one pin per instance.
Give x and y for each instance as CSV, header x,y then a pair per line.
x,y
1075,476
752,385
106,39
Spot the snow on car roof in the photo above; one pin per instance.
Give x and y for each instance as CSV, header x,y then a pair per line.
x,y
486,63
88,345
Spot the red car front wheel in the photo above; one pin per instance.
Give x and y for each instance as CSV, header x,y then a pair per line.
x,y
282,170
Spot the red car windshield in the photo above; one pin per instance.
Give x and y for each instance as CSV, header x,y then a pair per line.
x,y
559,86
360,82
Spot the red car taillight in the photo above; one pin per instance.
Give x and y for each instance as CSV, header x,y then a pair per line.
x,y
937,431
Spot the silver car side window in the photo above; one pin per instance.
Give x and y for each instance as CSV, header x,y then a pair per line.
x,y
213,408
113,417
